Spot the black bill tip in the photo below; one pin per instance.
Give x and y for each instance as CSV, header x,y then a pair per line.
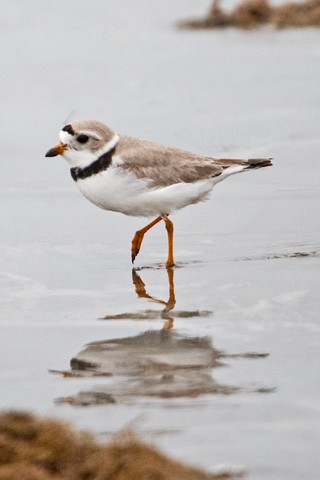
x,y
53,152
57,150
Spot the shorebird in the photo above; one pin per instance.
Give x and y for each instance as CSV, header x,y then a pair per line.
x,y
141,178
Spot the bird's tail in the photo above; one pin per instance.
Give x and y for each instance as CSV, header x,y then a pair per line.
x,y
259,162
231,166
250,163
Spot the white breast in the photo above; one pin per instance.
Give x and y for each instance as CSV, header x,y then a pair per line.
x,y
113,190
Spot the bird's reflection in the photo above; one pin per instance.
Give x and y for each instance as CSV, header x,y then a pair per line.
x,y
156,363
168,306
166,313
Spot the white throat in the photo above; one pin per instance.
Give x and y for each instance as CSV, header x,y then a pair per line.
x,y
83,158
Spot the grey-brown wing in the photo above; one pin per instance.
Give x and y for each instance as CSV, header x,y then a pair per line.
x,y
164,165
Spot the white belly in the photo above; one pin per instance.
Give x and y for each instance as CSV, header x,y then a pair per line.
x,y
119,191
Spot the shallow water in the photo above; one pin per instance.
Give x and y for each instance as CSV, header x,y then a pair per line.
x,y
243,388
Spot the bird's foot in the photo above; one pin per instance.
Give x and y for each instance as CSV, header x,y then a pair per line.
x,y
136,244
170,264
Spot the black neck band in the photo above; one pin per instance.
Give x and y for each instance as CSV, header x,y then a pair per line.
x,y
97,166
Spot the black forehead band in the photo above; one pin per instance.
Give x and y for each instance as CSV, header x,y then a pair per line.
x,y
68,129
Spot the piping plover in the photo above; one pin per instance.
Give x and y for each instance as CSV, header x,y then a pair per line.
x,y
141,178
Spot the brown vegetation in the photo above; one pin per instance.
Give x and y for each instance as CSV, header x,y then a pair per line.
x,y
297,14
251,13
255,13
32,448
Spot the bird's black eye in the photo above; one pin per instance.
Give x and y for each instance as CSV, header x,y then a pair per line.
x,y
82,138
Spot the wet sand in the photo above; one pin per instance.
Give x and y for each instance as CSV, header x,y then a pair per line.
x,y
247,278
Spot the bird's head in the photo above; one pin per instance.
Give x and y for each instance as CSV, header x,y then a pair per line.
x,y
83,142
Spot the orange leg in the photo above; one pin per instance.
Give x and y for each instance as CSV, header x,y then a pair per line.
x,y
169,227
138,237
169,305
172,299
141,289
168,324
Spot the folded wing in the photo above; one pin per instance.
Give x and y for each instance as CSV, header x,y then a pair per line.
x,y
167,166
